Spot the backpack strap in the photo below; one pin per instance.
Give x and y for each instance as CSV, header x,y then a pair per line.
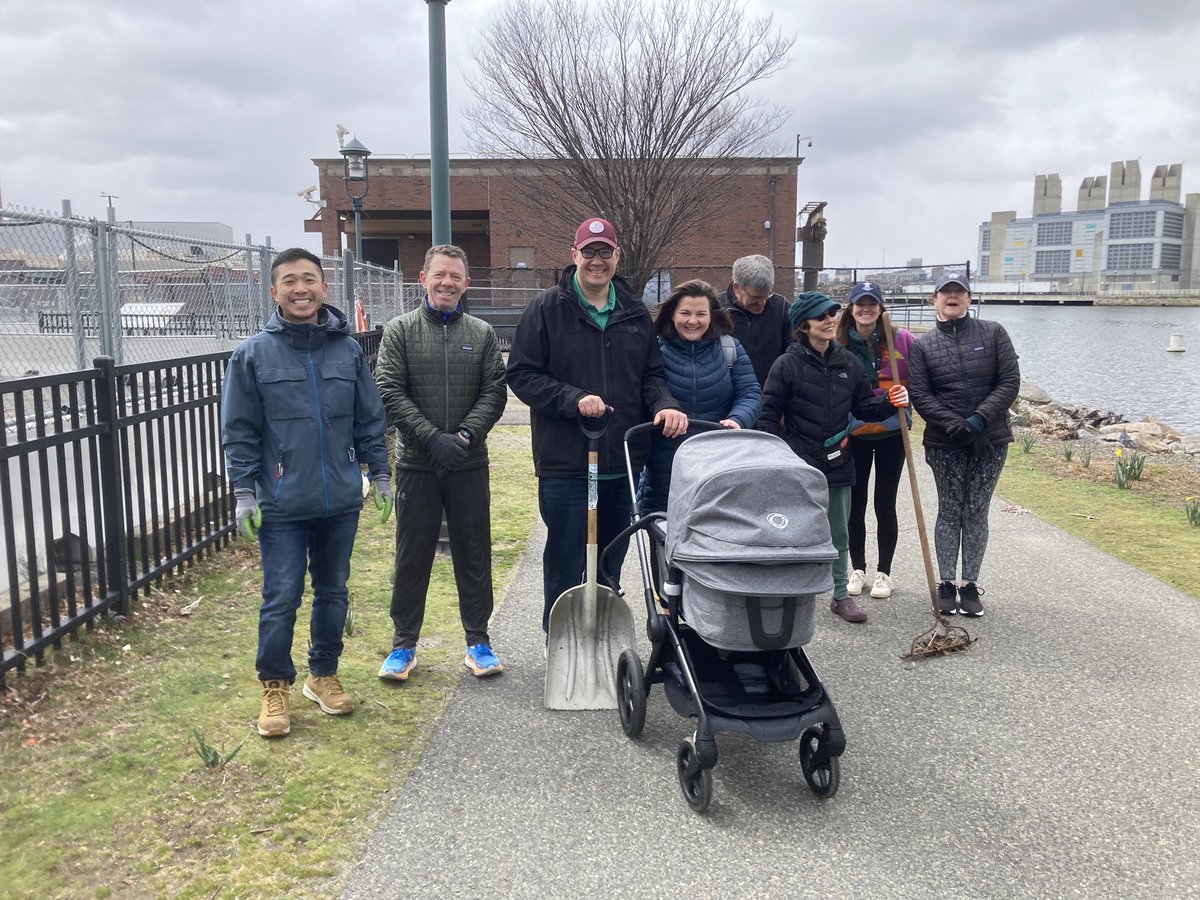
x,y
730,349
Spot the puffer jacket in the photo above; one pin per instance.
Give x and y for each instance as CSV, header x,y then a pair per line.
x,y
705,386
559,355
299,413
438,375
807,400
765,336
708,388
962,367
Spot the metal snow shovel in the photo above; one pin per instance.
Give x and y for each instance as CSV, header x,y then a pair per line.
x,y
943,637
590,625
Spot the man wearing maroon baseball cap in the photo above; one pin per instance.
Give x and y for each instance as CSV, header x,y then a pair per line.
x,y
585,348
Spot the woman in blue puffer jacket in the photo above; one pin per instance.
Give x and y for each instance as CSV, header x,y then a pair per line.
x,y
708,373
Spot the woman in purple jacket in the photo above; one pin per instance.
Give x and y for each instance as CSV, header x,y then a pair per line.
x,y
861,331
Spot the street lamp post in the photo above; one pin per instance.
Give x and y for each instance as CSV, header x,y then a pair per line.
x,y
355,156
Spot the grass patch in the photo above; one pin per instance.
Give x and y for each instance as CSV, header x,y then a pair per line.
x,y
1145,525
102,788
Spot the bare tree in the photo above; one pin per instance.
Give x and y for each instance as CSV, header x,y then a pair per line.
x,y
634,109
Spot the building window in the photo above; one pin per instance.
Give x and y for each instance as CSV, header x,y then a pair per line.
x,y
1169,256
520,257
1133,224
1052,262
1051,233
985,241
983,266
1172,225
1130,257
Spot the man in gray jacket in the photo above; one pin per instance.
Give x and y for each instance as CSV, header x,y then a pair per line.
x,y
442,381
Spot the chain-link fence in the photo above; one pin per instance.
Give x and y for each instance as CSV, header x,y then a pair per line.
x,y
72,289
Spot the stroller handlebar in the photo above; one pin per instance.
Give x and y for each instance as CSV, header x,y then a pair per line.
x,y
696,424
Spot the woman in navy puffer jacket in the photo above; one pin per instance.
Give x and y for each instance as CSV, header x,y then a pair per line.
x,y
693,327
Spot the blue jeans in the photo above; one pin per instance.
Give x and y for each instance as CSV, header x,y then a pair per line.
x,y
563,504
323,547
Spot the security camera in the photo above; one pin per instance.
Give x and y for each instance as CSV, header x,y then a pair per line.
x,y
307,192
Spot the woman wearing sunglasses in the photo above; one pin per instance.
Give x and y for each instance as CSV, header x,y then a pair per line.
x,y
808,398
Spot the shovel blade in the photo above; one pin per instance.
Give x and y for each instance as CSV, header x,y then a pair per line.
x,y
585,640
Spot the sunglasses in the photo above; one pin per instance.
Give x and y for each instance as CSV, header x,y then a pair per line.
x,y
828,314
592,252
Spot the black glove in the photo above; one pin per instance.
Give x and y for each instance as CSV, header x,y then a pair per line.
x,y
446,452
962,434
969,433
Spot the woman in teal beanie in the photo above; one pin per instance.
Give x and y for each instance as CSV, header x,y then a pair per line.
x,y
808,398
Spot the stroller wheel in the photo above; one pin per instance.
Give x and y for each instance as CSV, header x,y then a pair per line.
x,y
631,693
822,772
697,787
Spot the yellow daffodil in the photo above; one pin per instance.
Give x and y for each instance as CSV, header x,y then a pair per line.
x,y
1120,451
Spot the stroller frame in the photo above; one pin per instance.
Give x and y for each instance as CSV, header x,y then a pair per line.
x,y
702,682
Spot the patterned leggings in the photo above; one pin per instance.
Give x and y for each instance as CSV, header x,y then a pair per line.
x,y
965,481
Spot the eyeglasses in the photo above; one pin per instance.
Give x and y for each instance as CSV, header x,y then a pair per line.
x,y
828,314
591,252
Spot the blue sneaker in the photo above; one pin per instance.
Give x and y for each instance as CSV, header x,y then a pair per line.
x,y
482,661
398,664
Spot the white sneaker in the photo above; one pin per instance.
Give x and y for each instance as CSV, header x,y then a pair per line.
x,y
855,585
882,588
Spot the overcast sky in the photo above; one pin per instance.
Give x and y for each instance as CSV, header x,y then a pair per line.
x,y
924,116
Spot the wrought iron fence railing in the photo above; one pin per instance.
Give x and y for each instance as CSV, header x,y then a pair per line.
x,y
111,478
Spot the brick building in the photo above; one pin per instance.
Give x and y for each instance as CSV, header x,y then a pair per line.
x,y
498,217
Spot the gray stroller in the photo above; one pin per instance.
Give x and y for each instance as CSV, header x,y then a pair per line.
x,y
730,574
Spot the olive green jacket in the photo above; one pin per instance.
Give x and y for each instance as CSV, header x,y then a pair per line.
x,y
440,376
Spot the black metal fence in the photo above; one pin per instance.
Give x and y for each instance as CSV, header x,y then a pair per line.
x,y
112,477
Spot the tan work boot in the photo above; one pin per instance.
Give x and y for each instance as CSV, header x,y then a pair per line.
x,y
273,718
327,691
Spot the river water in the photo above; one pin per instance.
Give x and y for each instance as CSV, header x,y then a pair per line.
x,y
1112,358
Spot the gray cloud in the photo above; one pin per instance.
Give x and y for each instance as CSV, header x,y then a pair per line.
x,y
924,116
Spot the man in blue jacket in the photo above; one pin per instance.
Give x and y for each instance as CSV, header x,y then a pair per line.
x,y
300,415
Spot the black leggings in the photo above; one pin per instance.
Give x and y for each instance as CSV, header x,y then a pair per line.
x,y
965,482
888,456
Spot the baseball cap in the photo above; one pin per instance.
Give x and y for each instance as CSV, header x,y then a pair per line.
x,y
866,289
953,278
595,231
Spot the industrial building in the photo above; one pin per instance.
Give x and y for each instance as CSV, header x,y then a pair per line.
x,y
498,216
1113,242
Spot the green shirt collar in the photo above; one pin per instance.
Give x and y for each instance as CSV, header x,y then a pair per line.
x,y
599,316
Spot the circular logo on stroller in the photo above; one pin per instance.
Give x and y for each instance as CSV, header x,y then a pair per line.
x,y
779,520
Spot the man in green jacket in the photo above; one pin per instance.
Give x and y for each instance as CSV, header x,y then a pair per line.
x,y
442,381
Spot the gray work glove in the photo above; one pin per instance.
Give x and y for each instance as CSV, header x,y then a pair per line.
x,y
383,496
248,513
446,452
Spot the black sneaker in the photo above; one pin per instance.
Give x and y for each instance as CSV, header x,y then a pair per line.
x,y
969,603
947,600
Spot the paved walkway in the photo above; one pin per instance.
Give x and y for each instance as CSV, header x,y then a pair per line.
x,y
1058,757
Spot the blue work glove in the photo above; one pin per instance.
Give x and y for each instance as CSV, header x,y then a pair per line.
x,y
383,496
975,422
248,513
446,452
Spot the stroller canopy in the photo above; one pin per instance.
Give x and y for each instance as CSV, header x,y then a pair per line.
x,y
746,514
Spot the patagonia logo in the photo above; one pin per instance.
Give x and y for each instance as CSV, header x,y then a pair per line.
x,y
468,347
842,375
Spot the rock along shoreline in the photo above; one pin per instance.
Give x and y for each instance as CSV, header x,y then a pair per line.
x,y
1036,410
